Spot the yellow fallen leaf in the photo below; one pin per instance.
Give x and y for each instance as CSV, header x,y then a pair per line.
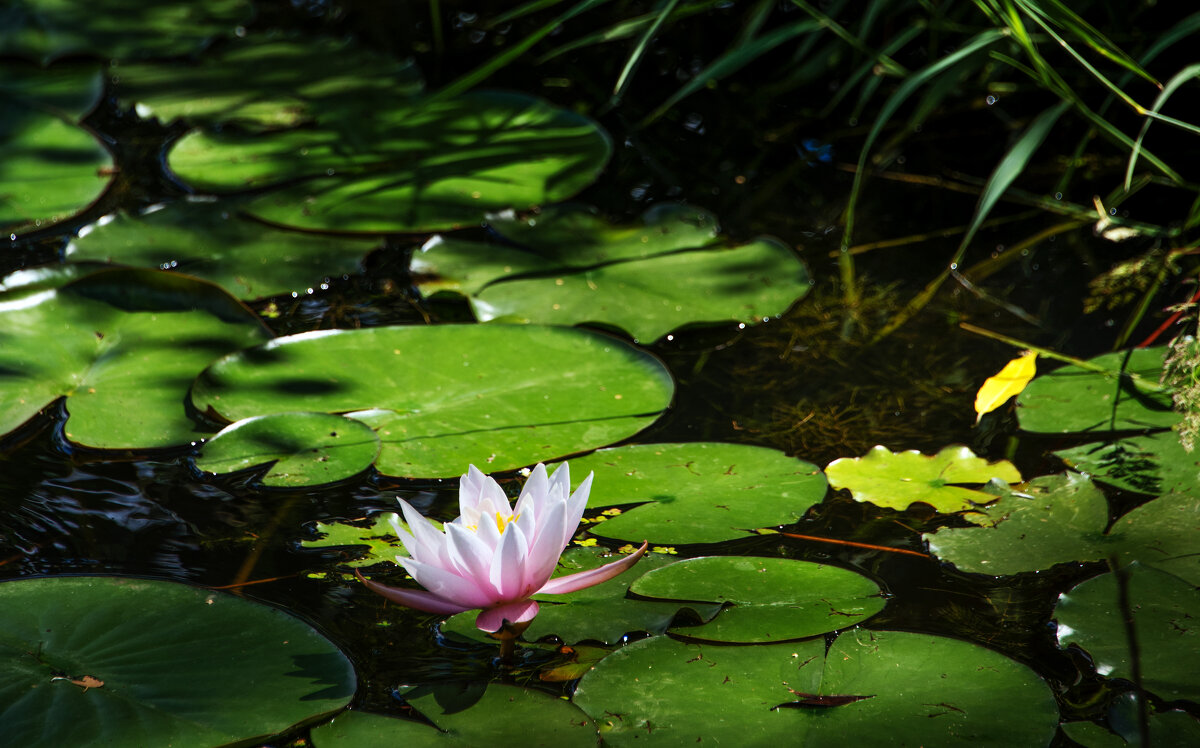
x,y
1008,383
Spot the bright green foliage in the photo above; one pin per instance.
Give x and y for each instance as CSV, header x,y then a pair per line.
x,y
698,492
268,83
302,449
767,599
897,479
47,29
467,716
177,665
1074,399
445,396
51,167
602,613
649,279
121,345
920,690
414,165
1164,609
210,240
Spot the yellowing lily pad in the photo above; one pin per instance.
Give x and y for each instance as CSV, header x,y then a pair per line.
x,y
766,599
302,449
570,267
441,397
696,492
897,479
1006,384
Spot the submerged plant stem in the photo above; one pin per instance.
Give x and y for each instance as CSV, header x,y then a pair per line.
x,y
868,546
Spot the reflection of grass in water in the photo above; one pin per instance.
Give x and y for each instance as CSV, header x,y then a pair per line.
x,y
834,397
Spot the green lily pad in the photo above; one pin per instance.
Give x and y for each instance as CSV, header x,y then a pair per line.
x,y
157,663
51,167
1163,533
767,599
441,397
121,345
412,166
602,613
1052,519
303,449
260,82
656,277
466,716
913,689
1169,729
1073,399
1061,519
697,492
897,479
47,29
212,241
377,542
1164,609
1152,463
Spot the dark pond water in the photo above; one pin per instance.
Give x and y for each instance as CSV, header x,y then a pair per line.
x,y
806,383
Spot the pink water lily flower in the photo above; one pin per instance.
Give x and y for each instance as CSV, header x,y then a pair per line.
x,y
495,556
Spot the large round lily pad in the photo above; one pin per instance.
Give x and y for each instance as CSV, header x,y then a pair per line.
x,y
212,241
767,599
697,492
897,479
877,688
51,166
411,166
47,29
1164,609
441,397
261,82
1074,399
130,662
467,716
603,613
302,449
121,345
654,278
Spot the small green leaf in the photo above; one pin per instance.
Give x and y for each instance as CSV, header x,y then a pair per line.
x,y
378,541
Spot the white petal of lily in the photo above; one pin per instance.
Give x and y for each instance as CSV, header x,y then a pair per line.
x,y
450,586
535,489
493,559
585,579
427,544
508,565
471,557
